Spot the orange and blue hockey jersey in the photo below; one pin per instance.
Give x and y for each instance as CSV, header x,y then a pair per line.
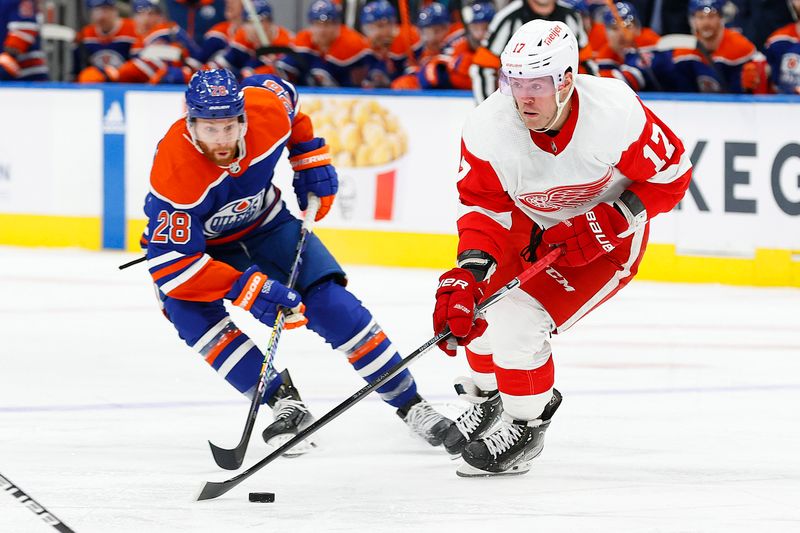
x,y
688,70
783,54
388,65
142,70
634,68
21,56
193,203
217,39
344,64
99,50
241,52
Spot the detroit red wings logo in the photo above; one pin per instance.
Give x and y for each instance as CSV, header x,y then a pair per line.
x,y
566,196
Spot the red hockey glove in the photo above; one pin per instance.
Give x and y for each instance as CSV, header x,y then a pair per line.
x,y
588,236
262,296
456,298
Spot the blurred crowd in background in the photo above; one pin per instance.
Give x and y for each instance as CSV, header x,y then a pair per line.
x,y
719,46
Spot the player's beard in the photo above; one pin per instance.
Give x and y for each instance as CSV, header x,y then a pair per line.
x,y
222,155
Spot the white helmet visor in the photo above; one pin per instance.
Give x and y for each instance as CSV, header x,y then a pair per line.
x,y
539,87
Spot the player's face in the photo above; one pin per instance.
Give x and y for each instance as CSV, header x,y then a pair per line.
x,y
146,20
233,10
535,98
620,39
218,138
707,24
381,33
104,17
478,31
433,36
324,33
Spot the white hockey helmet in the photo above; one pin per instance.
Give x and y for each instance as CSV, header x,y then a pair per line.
x,y
540,49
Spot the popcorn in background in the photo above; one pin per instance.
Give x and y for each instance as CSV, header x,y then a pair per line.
x,y
359,132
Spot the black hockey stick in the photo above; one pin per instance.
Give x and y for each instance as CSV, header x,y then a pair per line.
x,y
38,509
231,459
134,262
213,489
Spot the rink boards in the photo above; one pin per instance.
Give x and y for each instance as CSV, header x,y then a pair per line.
x,y
74,167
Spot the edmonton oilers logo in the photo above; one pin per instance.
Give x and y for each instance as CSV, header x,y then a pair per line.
x,y
235,215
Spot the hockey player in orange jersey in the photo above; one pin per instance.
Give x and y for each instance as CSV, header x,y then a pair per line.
x,y
450,69
218,232
390,46
104,43
153,28
628,51
242,55
328,53
723,60
220,35
551,159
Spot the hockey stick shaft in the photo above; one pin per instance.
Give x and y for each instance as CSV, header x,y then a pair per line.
x,y
213,489
405,31
38,509
253,15
231,459
134,262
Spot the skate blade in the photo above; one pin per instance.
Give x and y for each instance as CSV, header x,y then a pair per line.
x,y
467,470
301,449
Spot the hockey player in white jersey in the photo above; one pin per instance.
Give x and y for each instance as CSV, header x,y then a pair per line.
x,y
552,158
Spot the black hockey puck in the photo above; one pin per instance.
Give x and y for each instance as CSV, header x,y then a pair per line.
x,y
262,497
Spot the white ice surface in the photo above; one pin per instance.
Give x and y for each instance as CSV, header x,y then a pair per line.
x,y
681,413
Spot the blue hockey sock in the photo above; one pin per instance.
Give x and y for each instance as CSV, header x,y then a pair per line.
x,y
340,318
236,358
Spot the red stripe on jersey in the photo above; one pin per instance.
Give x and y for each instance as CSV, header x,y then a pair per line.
x,y
480,363
526,382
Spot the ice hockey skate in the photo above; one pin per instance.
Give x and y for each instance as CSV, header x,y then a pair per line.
x,y
291,417
424,421
476,421
511,448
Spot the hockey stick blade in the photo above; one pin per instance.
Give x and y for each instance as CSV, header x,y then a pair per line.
x,y
231,459
214,489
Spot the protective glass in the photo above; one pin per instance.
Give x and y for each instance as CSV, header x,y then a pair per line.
x,y
527,87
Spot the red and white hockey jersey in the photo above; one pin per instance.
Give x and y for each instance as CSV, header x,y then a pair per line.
x,y
611,142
